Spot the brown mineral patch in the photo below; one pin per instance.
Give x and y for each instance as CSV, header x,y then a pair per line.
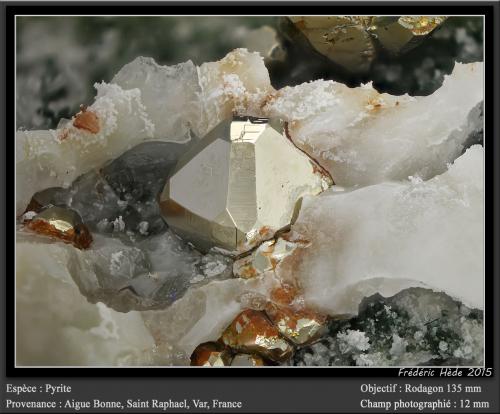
x,y
298,325
274,262
79,236
171,208
301,24
248,272
86,120
251,331
82,237
263,231
374,105
210,354
284,294
294,238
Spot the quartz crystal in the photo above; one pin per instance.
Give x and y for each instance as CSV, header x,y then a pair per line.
x,y
240,185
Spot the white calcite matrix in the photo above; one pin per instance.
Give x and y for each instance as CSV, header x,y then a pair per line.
x,y
406,210
390,236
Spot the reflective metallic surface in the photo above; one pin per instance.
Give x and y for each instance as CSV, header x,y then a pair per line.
x,y
62,223
342,39
239,185
252,332
300,326
351,41
265,258
210,354
406,32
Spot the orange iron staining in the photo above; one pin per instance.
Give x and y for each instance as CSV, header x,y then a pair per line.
x,y
252,332
63,224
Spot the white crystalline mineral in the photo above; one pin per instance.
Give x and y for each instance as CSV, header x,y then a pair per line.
x,y
170,94
390,236
234,84
363,137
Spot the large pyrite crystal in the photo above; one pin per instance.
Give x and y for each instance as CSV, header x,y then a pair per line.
x,y
239,185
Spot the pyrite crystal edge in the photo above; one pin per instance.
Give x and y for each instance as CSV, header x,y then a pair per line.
x,y
239,185
352,41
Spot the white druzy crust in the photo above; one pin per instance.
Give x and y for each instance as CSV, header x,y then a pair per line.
x,y
364,137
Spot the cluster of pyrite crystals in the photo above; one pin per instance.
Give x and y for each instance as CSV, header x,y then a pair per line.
x,y
234,190
264,337
344,48
352,41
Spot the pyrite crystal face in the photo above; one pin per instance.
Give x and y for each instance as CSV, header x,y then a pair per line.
x,y
239,185
351,41
62,223
210,354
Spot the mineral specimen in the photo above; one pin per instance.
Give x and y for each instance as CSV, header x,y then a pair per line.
x,y
299,325
128,112
251,331
266,257
415,327
240,185
345,129
426,222
56,324
210,354
63,224
202,314
239,83
389,155
351,41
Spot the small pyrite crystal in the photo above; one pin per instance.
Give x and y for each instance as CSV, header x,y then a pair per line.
x,y
62,223
239,185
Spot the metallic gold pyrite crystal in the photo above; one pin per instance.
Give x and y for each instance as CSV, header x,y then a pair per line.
x,y
62,223
239,185
351,41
